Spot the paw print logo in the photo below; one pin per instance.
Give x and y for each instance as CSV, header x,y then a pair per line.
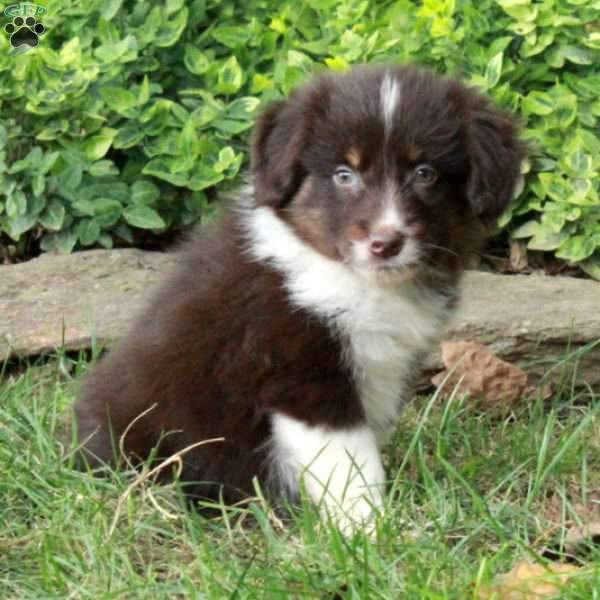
x,y
24,32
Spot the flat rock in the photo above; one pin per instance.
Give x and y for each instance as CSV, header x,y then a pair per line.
x,y
531,320
90,297
73,300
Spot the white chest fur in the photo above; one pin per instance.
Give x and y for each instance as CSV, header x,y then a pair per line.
x,y
385,324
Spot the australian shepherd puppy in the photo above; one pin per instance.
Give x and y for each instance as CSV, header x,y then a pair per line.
x,y
293,328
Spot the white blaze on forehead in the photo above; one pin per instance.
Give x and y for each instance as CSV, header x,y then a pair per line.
x,y
389,97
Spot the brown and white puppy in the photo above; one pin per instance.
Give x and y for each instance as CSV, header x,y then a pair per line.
x,y
293,328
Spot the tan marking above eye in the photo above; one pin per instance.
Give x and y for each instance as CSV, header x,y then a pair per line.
x,y
414,153
358,232
353,157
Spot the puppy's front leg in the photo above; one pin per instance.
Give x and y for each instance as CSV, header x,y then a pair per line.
x,y
341,468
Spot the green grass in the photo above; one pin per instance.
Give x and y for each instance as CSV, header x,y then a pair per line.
x,y
472,493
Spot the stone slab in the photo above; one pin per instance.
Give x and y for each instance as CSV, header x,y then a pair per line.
x,y
531,320
69,301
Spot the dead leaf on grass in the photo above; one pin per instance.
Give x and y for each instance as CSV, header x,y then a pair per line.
x,y
527,581
579,537
481,374
585,508
564,511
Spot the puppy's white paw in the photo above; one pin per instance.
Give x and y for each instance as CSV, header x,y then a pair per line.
x,y
358,516
340,469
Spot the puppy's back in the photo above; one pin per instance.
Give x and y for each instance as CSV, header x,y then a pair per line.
x,y
216,350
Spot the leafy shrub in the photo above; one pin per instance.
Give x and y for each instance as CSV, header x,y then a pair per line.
x,y
556,87
129,113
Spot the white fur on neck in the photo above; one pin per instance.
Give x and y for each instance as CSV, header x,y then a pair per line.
x,y
385,323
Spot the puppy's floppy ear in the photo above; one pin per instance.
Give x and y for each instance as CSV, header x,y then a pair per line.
x,y
278,141
495,152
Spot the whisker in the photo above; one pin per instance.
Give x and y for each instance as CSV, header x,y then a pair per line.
x,y
443,248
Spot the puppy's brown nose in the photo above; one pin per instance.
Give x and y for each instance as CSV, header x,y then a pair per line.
x,y
386,243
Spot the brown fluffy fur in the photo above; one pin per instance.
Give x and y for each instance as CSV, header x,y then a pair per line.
x,y
220,346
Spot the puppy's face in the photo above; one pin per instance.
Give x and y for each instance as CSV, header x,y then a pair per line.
x,y
387,170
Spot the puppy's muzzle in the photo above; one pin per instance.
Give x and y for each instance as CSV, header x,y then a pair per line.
x,y
386,243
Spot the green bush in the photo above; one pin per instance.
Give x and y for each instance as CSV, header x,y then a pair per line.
x,y
128,114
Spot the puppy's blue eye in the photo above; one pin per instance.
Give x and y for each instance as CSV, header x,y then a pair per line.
x,y
345,176
425,174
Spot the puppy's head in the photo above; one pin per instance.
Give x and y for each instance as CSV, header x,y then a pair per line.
x,y
386,169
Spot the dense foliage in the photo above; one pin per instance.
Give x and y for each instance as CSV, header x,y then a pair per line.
x,y
129,113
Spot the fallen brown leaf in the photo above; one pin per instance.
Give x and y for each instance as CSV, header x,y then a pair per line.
x,y
576,544
577,536
527,581
481,373
586,509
